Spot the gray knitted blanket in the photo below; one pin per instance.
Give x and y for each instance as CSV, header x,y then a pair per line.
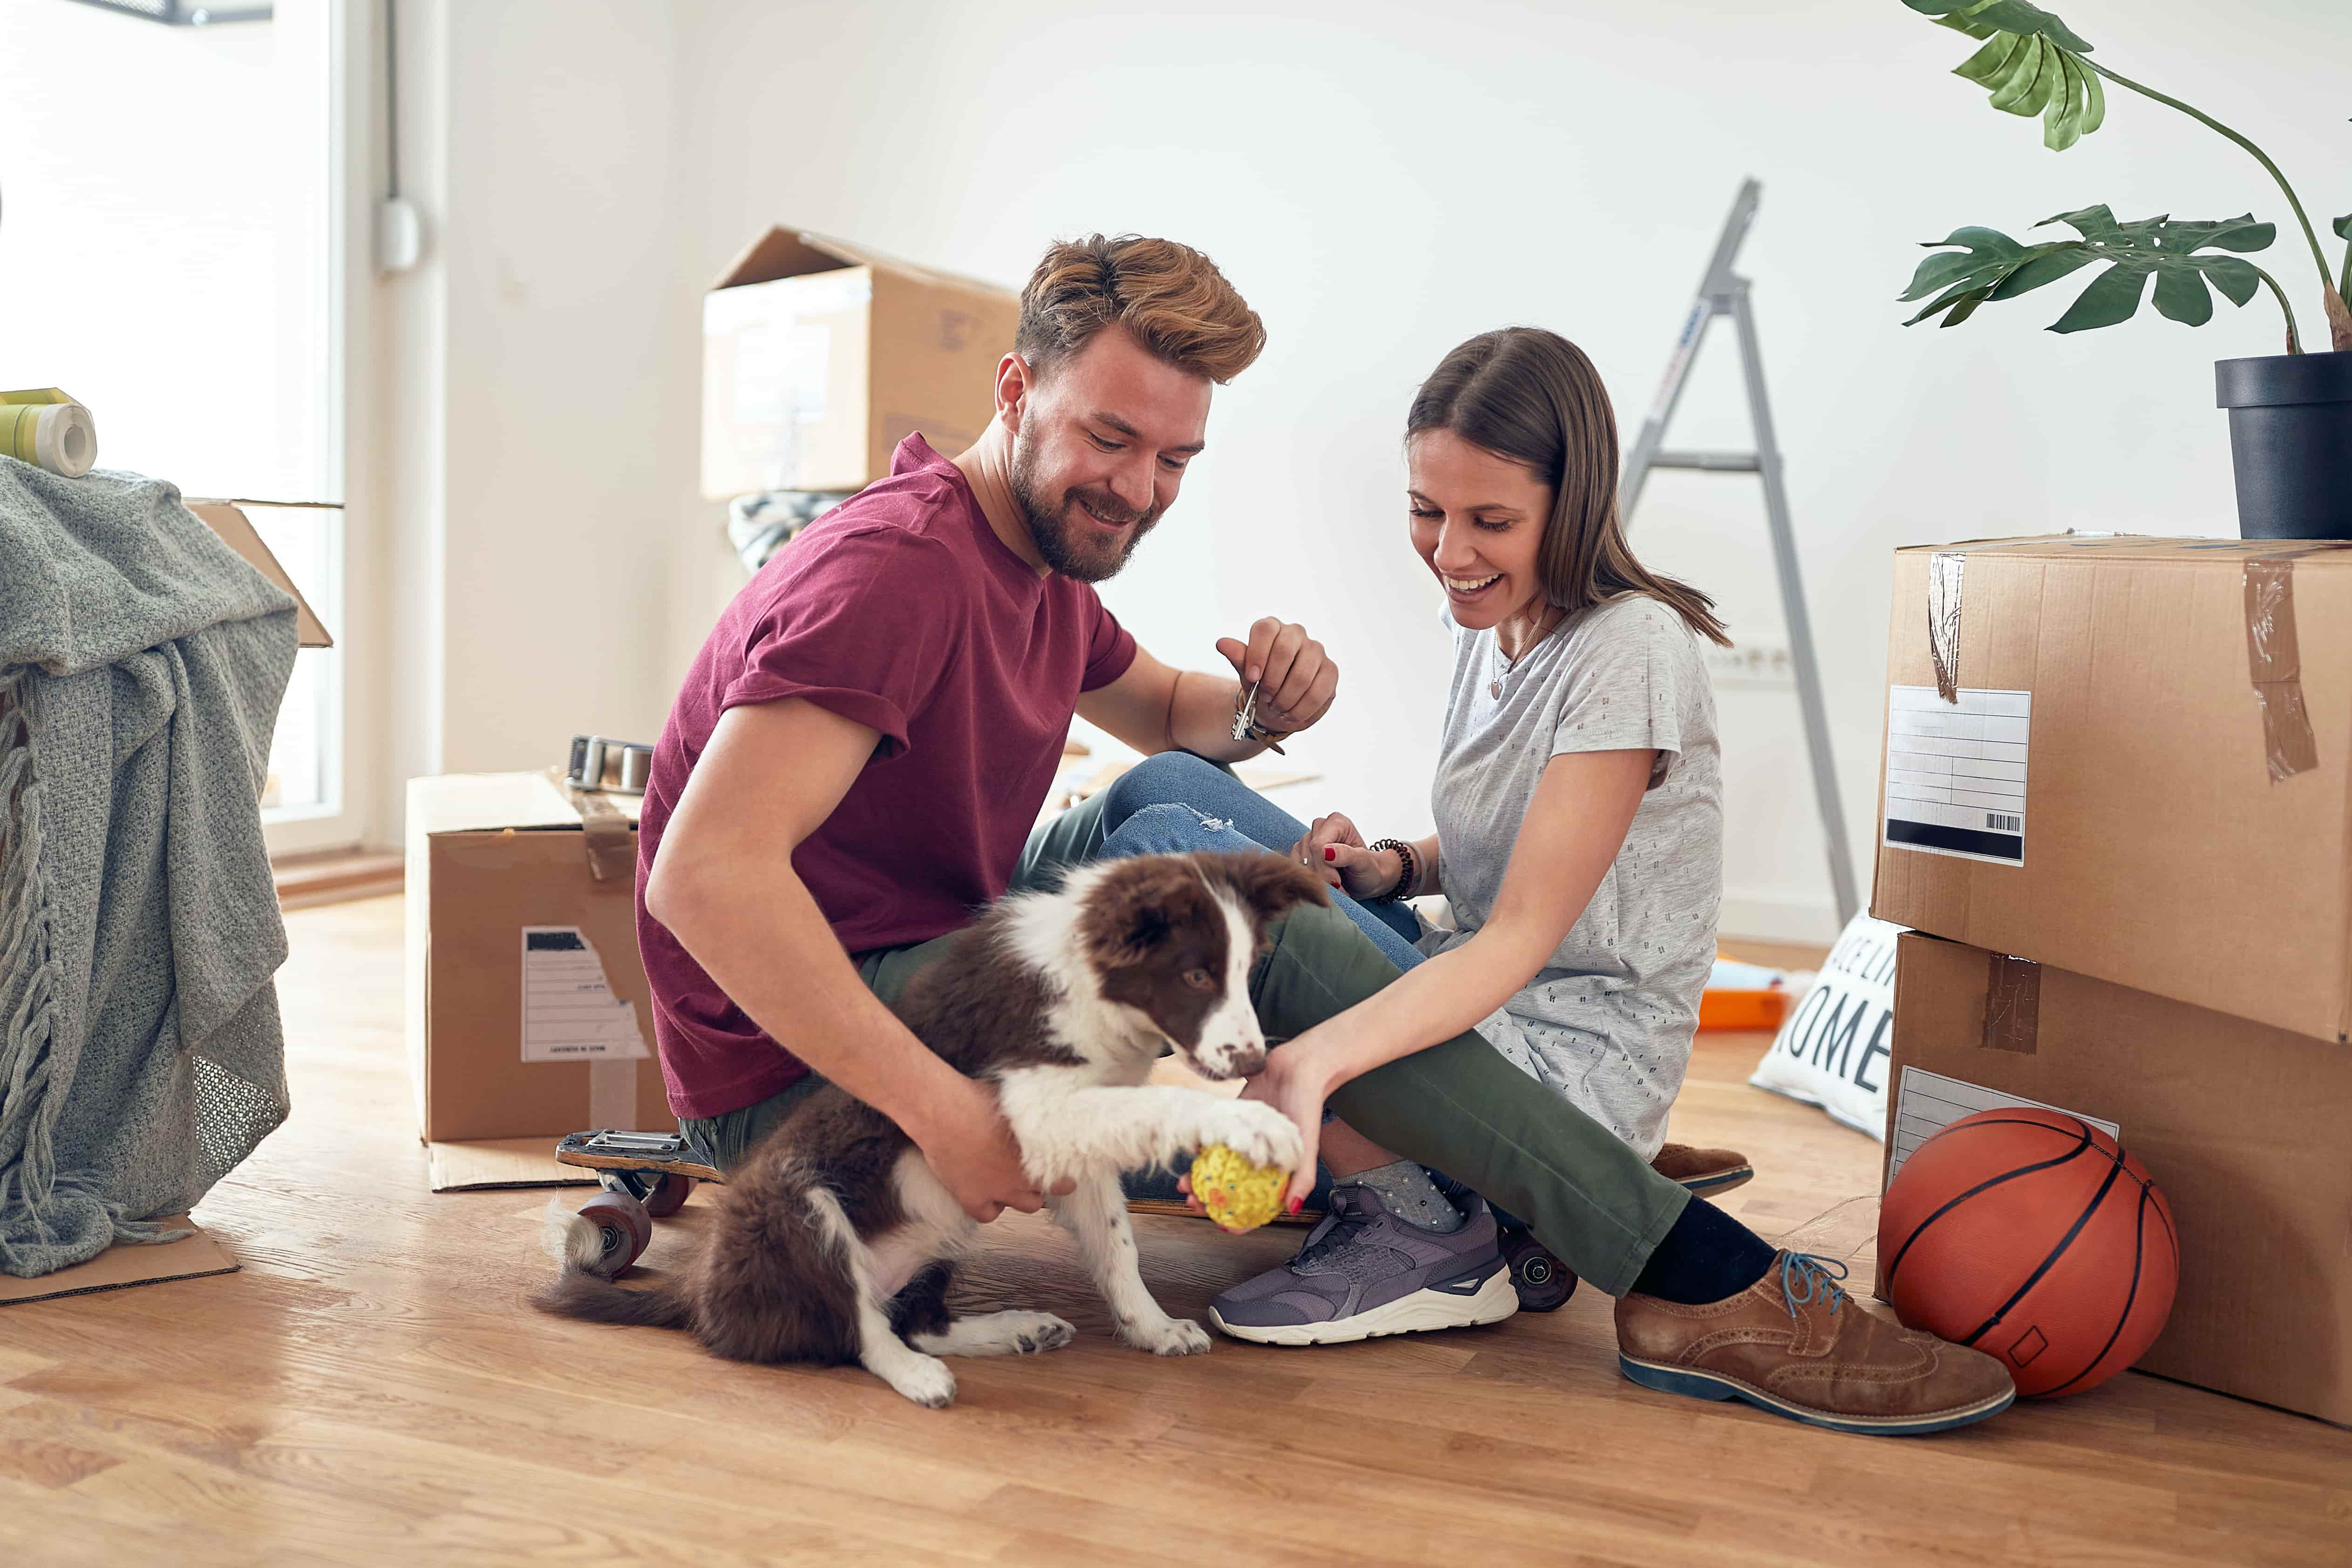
x,y
141,663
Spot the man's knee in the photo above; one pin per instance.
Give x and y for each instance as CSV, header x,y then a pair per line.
x,y
1171,776
1161,829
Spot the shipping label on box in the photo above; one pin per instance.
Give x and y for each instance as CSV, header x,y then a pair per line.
x,y
1955,772
569,1010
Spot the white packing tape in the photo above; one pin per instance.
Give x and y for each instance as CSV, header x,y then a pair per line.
x,y
612,1093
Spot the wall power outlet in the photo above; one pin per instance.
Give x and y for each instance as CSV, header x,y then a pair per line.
x,y
1750,664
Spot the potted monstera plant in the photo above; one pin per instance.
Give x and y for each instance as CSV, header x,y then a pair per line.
x,y
2290,413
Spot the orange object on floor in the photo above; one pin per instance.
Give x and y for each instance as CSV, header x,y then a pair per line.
x,y
1742,1009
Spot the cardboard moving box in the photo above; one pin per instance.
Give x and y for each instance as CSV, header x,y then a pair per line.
x,y
528,1012
2241,1124
2132,758
819,357
237,531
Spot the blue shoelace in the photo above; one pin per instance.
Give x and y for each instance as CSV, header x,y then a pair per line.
x,y
1806,1279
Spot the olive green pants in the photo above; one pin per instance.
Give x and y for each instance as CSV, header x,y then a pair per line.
x,y
1458,1106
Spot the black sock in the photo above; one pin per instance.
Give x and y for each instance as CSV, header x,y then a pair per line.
x,y
1706,1257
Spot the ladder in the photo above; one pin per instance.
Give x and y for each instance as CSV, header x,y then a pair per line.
x,y
1723,292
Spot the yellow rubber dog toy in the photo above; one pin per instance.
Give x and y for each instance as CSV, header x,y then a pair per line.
x,y
1239,1196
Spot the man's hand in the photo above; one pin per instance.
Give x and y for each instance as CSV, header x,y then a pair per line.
x,y
972,1152
1295,680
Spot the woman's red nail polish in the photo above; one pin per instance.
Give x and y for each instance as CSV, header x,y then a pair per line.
x,y
1296,1204
1330,852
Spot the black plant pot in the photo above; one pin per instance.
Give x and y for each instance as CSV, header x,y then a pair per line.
x,y
2291,444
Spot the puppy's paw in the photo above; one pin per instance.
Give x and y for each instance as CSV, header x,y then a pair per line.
x,y
1259,1133
1040,1331
1168,1336
925,1379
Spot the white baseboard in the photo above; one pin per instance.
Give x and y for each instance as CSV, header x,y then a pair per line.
x,y
1771,917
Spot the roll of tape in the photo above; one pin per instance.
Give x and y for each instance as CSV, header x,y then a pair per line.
x,y
59,436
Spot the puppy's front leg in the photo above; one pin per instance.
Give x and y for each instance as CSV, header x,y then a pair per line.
x,y
1067,1133
1097,1215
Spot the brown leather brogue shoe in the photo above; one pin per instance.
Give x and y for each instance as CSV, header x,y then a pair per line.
x,y
1710,1173
1797,1345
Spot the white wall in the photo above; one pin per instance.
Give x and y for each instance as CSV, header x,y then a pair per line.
x,y
538,381
1382,182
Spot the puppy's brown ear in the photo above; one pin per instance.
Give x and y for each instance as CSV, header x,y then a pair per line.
x,y
1272,884
1132,909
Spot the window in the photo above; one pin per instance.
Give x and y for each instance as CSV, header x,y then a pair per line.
x,y
168,245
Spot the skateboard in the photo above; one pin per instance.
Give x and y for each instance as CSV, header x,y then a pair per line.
x,y
645,1177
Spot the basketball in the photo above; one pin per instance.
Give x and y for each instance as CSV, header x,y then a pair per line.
x,y
2032,1235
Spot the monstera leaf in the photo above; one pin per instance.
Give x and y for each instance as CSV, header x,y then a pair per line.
x,y
2032,63
1988,264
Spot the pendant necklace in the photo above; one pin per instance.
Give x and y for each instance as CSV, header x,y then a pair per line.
x,y
1505,667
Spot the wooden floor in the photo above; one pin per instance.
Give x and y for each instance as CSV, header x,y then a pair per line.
x,y
370,1389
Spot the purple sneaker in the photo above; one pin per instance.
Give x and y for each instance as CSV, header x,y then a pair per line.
x,y
1364,1273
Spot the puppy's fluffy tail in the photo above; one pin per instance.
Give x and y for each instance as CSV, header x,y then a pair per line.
x,y
578,1292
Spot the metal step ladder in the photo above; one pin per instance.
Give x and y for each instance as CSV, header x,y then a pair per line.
x,y
1723,292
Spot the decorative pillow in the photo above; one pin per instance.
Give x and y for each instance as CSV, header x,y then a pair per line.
x,y
1832,1052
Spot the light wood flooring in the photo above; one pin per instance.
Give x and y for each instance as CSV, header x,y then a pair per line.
x,y
370,1389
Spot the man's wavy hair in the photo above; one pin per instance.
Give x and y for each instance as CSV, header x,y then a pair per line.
x,y
1170,298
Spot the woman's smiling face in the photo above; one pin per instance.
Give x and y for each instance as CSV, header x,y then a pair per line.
x,y
1478,522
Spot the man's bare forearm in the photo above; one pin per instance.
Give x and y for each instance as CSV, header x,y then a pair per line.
x,y
1201,718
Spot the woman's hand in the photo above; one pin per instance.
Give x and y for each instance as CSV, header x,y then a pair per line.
x,y
1334,849
1295,1082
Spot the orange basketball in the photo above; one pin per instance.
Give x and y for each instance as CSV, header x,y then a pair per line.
x,y
2032,1235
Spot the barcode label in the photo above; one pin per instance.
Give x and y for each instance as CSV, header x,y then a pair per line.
x,y
1955,772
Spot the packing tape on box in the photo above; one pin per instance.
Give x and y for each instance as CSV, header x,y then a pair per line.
x,y
2274,663
1945,569
608,835
612,1093
611,839
59,436
2012,1019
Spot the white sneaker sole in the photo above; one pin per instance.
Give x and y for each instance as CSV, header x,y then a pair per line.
x,y
1417,1313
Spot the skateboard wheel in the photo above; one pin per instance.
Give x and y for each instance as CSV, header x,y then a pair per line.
x,y
1543,1282
625,1226
669,1195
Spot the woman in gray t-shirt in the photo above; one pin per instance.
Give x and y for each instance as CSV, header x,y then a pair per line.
x,y
1607,1021
1579,844
1578,796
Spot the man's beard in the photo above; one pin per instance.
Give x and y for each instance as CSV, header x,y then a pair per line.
x,y
1074,548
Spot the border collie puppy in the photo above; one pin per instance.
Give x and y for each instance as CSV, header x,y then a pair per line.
x,y
833,1242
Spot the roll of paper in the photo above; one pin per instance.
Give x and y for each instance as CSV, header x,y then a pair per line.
x,y
46,428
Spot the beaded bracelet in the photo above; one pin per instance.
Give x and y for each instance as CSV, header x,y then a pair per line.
x,y
1409,878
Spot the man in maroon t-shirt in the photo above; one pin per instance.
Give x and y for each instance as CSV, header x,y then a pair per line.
x,y
858,753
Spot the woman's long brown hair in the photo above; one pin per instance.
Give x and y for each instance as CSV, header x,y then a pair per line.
x,y
1531,396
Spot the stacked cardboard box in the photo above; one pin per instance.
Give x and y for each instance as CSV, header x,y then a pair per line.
x,y
820,356
528,1013
2117,805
